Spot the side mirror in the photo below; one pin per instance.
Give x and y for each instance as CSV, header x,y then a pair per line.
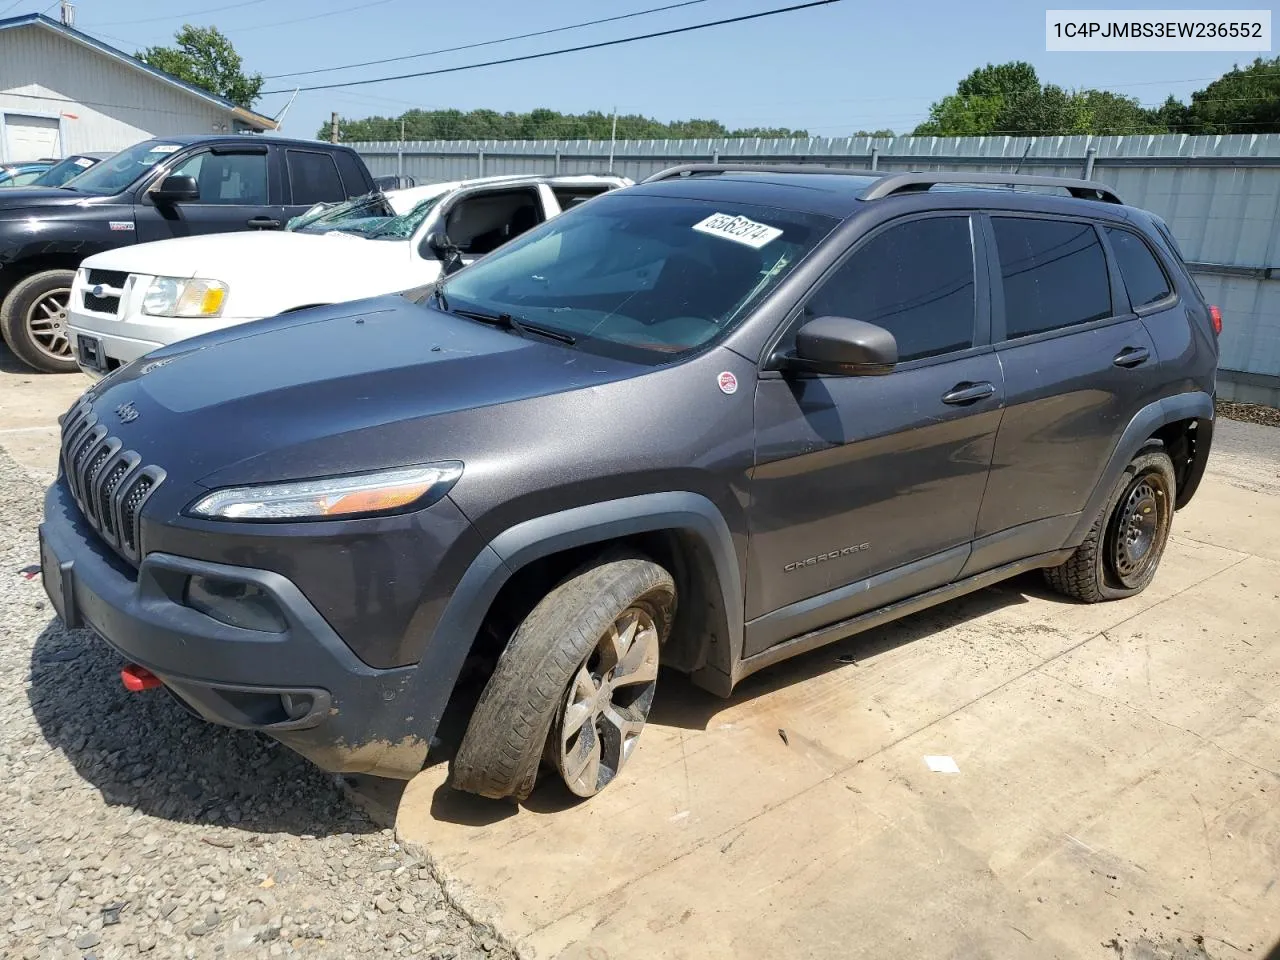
x,y
844,347
176,189
438,243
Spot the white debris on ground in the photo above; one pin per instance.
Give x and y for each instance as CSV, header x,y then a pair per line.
x,y
129,828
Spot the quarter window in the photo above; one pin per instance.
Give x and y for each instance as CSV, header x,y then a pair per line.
x,y
1143,276
1054,274
313,178
915,280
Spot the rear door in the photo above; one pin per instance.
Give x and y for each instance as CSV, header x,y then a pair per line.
x,y
1077,366
311,177
234,195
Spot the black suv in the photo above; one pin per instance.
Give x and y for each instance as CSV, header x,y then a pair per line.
x,y
155,190
708,422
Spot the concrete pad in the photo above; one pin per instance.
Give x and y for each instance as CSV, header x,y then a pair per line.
x,y
29,414
723,840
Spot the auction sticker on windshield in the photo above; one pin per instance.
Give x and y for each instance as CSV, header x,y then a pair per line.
x,y
164,148
738,229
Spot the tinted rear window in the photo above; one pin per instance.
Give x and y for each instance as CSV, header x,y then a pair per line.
x,y
313,178
353,176
1144,278
1054,274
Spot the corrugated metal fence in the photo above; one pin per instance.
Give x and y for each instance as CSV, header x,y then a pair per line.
x,y
1220,196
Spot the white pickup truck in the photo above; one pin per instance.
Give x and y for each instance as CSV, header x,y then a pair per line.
x,y
127,302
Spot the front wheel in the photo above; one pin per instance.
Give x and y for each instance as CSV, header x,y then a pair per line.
x,y
1123,548
34,320
574,685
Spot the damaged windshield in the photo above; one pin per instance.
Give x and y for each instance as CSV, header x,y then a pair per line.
x,y
370,216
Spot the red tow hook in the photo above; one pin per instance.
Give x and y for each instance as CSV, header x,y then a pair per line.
x,y
136,678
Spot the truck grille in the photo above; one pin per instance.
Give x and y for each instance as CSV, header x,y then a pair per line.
x,y
109,301
109,483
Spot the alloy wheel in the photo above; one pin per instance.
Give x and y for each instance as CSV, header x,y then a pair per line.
x,y
607,703
47,323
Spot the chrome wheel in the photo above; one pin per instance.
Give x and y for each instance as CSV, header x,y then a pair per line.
x,y
607,703
1139,529
47,323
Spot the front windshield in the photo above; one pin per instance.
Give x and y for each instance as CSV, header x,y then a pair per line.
x,y
62,171
366,217
115,173
639,277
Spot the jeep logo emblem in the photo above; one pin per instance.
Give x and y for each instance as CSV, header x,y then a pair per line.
x,y
127,412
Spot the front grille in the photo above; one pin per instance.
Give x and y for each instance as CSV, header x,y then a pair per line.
x,y
108,278
109,483
109,305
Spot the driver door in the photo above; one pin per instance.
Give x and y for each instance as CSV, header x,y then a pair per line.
x,y
867,488
234,195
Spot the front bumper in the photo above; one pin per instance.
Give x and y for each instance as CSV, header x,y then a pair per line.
x,y
340,713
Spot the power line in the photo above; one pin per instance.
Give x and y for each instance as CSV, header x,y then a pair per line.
x,y
487,43
314,16
178,16
564,50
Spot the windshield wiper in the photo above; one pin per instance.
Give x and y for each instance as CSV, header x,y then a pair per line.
x,y
507,322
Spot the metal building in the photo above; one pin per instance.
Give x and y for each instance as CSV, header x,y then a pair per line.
x,y
62,91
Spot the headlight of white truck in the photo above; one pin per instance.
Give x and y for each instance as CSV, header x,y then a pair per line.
x,y
176,297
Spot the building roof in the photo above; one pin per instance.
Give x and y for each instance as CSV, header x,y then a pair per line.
x,y
248,117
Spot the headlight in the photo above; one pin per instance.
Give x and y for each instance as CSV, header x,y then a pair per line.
x,y
175,297
334,497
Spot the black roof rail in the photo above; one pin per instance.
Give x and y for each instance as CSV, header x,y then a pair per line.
x,y
689,169
895,183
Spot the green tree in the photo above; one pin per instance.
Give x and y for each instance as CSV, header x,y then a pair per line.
x,y
1009,99
540,124
1240,101
204,57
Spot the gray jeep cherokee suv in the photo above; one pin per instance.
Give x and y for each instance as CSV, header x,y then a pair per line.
x,y
706,423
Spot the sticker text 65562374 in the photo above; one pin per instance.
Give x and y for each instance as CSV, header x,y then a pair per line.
x,y
738,229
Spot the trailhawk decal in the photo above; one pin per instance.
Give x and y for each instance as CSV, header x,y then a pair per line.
x,y
738,229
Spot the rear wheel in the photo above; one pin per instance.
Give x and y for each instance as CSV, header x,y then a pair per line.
x,y
574,685
34,320
1122,551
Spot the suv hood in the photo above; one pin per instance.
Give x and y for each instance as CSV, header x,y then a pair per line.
x,y
272,253
332,390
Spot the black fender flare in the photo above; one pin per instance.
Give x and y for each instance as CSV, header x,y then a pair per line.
x,y
1194,405
517,546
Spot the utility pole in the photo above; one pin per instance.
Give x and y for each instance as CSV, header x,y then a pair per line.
x,y
400,151
333,127
613,138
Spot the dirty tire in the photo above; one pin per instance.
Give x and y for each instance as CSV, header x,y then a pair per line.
x,y
1091,573
504,744
18,336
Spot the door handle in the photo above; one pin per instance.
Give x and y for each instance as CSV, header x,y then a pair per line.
x,y
264,223
963,393
1131,357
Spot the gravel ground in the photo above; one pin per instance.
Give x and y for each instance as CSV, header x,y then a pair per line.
x,y
1249,412
129,828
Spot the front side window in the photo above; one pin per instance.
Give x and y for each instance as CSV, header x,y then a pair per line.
x,y
915,280
114,174
1143,277
1054,274
227,178
482,222
314,178
639,277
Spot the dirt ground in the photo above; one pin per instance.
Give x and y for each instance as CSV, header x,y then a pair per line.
x,y
1118,772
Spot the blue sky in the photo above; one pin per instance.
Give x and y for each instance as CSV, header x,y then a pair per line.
x,y
831,70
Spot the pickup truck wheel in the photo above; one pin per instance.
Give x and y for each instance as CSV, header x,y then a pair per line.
x,y
1120,555
34,320
574,685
